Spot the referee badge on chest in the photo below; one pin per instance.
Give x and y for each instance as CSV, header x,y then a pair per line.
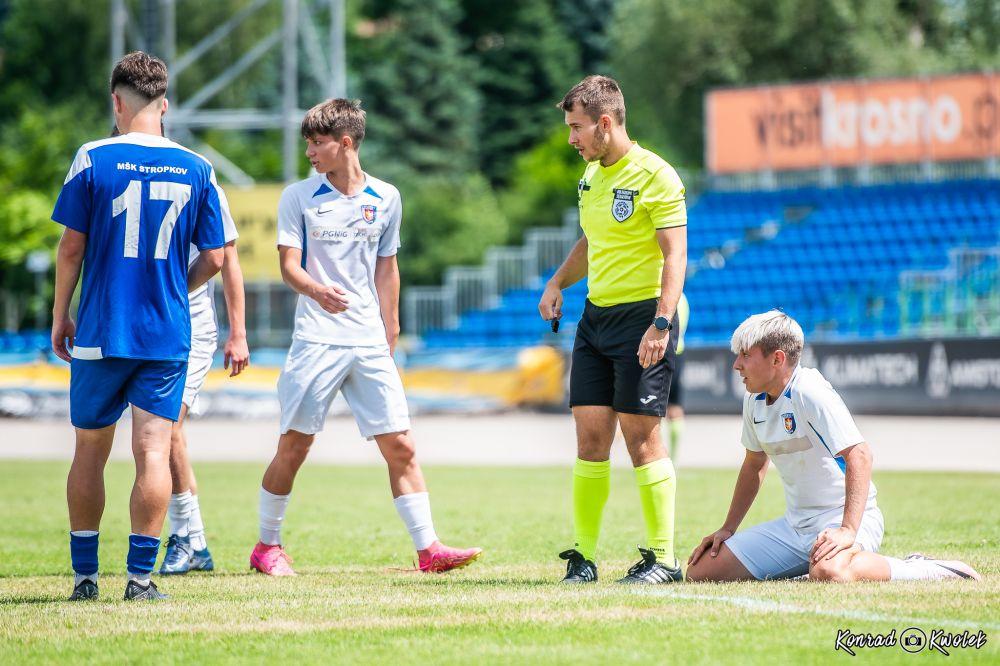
x,y
368,212
623,204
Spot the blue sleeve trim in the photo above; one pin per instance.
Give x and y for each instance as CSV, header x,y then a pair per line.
x,y
304,251
840,461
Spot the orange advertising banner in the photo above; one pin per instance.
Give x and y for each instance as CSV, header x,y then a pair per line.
x,y
847,123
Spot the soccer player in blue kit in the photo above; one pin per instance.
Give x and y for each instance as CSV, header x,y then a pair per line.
x,y
132,206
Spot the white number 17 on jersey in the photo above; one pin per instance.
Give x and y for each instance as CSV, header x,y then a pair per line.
x,y
130,203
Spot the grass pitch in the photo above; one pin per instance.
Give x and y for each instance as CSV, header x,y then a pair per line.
x,y
349,604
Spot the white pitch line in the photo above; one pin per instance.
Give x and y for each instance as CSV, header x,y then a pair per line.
x,y
767,606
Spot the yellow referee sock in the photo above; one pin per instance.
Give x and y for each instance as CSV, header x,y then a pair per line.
x,y
591,487
657,487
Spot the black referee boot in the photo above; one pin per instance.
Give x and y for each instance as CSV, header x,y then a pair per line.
x,y
650,572
578,568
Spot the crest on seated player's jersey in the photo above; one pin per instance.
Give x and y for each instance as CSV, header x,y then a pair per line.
x,y
789,420
623,204
369,213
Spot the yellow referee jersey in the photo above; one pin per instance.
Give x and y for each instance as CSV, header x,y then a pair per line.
x,y
621,207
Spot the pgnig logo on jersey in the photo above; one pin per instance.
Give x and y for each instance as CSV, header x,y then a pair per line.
x,y
911,640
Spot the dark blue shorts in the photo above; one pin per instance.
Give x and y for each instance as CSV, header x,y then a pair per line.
x,y
100,390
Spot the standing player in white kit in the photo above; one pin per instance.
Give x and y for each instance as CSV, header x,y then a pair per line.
x,y
187,548
338,233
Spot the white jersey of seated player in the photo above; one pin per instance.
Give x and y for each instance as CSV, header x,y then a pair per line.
x,y
802,433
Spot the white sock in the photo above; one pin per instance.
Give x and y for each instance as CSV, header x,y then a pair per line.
x,y
272,513
415,511
142,579
80,578
179,512
196,528
915,570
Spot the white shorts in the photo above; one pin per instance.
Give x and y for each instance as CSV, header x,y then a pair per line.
x,y
199,363
313,374
775,549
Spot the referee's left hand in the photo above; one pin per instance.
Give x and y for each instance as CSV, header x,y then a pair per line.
x,y
653,346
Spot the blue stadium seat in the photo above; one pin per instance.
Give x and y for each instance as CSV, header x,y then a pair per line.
x,y
838,267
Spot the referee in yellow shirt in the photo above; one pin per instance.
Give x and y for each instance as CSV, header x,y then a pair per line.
x,y
634,254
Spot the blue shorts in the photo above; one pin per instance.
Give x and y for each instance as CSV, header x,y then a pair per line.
x,y
100,390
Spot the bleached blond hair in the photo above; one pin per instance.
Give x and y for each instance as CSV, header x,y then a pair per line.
x,y
770,331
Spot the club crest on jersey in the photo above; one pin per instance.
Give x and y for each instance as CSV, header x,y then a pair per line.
x,y
623,204
789,420
368,212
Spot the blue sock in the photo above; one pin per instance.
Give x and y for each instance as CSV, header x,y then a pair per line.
x,y
142,551
83,553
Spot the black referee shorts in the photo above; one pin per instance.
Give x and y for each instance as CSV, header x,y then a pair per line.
x,y
606,370
676,394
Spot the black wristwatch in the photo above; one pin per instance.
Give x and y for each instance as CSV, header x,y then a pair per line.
x,y
662,324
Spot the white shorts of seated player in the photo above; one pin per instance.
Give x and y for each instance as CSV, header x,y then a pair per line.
x,y
315,372
775,549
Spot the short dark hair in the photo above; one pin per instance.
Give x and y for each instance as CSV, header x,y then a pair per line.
x,y
597,95
336,118
143,74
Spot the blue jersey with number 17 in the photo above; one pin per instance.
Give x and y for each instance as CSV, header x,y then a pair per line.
x,y
142,200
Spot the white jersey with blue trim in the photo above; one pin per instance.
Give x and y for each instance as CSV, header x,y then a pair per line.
x,y
341,238
803,432
201,300
142,201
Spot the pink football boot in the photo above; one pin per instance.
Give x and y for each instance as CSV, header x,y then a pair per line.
x,y
439,558
271,560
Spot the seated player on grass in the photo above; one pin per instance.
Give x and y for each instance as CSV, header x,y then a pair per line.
x,y
832,527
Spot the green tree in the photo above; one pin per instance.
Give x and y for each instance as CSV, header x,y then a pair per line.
x,y
447,220
526,62
668,53
52,52
586,23
543,184
420,91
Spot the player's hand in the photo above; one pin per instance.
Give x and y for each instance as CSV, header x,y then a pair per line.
x,y
830,542
63,329
653,346
332,298
237,353
710,544
391,338
550,307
